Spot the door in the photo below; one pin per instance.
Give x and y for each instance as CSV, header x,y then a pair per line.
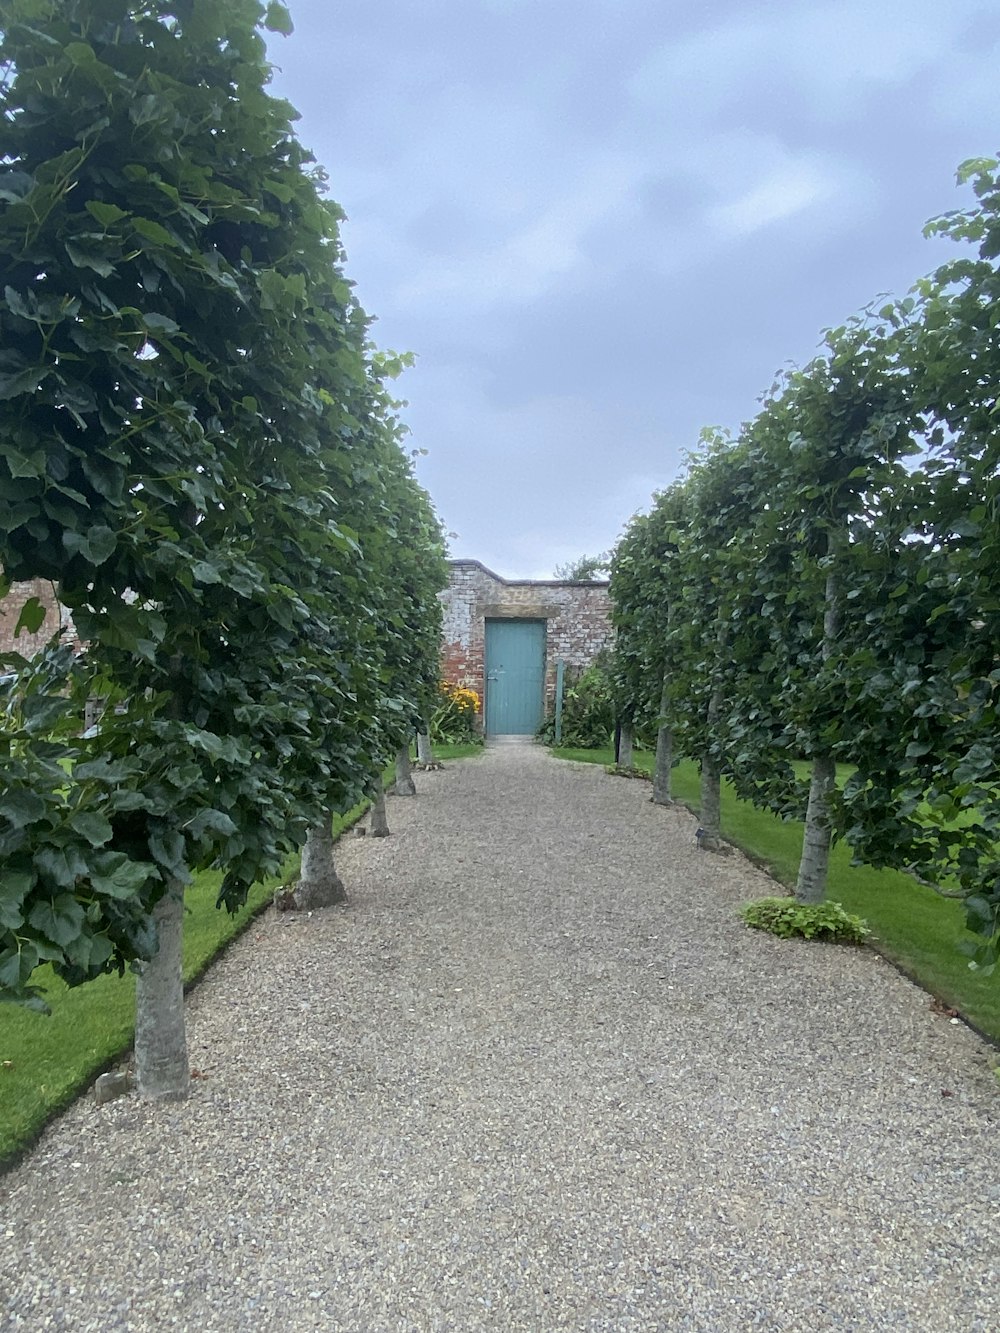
x,y
515,676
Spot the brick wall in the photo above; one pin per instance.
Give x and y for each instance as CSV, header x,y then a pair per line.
x,y
576,615
10,609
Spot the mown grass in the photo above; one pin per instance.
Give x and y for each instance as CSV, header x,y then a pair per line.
x,y
913,926
46,1060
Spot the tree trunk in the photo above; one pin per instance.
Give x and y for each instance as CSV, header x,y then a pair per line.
x,y
404,774
378,824
161,1058
711,769
319,884
810,886
625,759
710,839
664,755
425,751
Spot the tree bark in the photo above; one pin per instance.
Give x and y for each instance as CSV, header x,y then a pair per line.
x,y
378,824
425,750
710,839
162,1072
404,773
810,885
319,884
625,758
664,755
711,769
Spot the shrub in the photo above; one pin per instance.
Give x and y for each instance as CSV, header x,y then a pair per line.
x,y
588,714
453,721
786,917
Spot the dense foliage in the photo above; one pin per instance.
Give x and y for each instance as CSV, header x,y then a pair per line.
x,y
824,587
198,449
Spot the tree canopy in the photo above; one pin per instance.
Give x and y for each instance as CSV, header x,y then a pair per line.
x,y
195,437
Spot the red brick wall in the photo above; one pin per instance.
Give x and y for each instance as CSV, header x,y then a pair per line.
x,y
576,615
10,609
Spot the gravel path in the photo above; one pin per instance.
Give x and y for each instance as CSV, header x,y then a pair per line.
x,y
536,1076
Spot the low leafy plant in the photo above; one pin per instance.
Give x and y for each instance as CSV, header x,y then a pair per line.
x,y
786,918
588,714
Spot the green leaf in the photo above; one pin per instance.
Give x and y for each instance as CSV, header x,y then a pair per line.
x,y
94,827
60,865
22,806
22,381
160,324
204,572
81,259
17,966
96,546
278,19
59,920
25,465
212,821
105,214
79,53
121,878
32,617
15,885
168,850
153,231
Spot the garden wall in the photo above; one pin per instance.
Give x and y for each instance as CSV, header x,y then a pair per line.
x,y
10,609
576,616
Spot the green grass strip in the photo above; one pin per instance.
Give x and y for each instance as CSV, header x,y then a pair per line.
x,y
46,1060
913,926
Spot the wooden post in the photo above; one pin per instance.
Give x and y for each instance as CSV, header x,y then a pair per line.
x,y
560,679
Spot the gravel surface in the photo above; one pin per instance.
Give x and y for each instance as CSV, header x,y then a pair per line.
x,y
537,1075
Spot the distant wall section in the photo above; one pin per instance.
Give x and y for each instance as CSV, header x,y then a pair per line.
x,y
577,620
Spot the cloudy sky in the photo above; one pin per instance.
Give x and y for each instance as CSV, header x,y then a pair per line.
x,y
603,224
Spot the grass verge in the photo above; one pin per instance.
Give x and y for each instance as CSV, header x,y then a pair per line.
x,y
914,927
48,1060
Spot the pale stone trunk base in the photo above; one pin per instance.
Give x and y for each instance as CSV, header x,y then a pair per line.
x,y
162,1072
664,765
625,757
404,773
378,824
319,885
425,750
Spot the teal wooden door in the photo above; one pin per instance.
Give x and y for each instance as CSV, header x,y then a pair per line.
x,y
515,676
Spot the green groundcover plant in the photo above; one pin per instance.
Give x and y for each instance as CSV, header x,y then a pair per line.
x,y
786,918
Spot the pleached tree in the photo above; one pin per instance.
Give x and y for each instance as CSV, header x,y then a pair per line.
x,y
180,348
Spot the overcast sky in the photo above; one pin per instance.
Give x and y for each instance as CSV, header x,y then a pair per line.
x,y
603,224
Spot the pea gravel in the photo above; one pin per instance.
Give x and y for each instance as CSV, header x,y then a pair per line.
x,y
537,1075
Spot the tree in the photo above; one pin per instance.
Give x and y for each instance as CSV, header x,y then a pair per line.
x,y
642,591
178,346
585,569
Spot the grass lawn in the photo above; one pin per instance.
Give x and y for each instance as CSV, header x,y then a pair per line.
x,y
47,1060
912,926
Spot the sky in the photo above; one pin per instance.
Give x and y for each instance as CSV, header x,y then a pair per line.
x,y
601,225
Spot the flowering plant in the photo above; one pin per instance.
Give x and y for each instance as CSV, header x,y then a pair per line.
x,y
454,718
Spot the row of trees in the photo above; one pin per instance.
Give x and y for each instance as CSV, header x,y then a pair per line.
x,y
198,446
825,586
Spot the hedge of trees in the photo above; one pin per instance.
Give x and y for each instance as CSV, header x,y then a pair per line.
x,y
199,448
823,586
